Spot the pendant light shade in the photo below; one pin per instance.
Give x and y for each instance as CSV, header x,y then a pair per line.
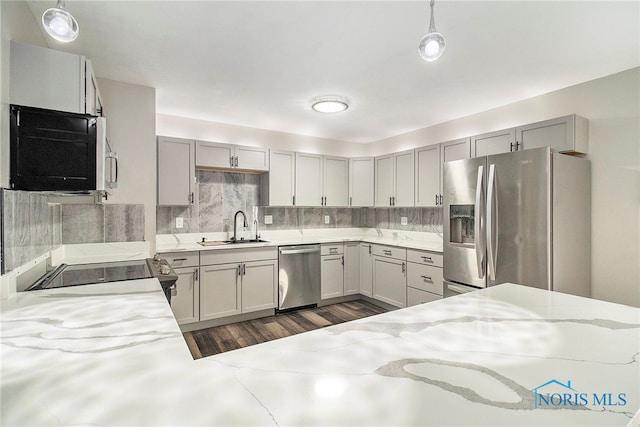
x,y
60,24
432,45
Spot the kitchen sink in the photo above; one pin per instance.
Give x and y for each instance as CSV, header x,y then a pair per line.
x,y
229,242
236,242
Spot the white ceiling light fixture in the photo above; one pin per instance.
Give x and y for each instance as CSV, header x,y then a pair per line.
x,y
60,24
329,104
432,45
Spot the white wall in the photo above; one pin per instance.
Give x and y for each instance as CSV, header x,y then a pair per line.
x,y
17,24
131,126
182,127
612,105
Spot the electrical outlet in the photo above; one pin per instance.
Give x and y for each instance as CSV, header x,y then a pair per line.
x,y
403,220
268,219
179,222
327,219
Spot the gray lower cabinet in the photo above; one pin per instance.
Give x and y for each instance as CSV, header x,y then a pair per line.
x,y
332,270
366,269
185,302
390,275
424,277
237,281
351,268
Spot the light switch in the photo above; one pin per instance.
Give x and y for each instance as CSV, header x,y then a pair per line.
x,y
268,219
403,220
327,219
179,222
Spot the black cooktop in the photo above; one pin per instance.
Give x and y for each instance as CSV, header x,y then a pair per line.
x,y
86,274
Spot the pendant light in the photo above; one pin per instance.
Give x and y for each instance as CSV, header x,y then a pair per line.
x,y
432,45
60,24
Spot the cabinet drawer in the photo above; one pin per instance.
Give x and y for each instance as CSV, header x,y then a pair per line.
x,y
418,296
182,259
390,251
425,277
424,257
222,256
332,249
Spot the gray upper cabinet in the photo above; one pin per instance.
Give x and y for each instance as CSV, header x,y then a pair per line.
x,y
308,179
361,178
427,186
457,149
568,134
176,171
497,142
394,179
335,179
217,155
52,79
281,178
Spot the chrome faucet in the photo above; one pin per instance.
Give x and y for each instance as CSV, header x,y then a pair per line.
x,y
235,223
255,221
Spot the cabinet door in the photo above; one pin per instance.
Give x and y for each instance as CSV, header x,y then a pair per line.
x,y
214,155
455,150
389,281
502,141
252,158
427,171
404,179
281,177
417,296
219,291
335,181
259,280
185,303
176,171
366,269
46,78
331,276
93,100
361,178
308,179
351,268
384,180
567,134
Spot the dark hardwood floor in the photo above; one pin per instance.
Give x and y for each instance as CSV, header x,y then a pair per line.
x,y
207,342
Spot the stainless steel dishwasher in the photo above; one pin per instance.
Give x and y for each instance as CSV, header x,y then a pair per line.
x,y
298,276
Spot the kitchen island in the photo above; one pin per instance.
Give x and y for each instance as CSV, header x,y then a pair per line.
x,y
112,354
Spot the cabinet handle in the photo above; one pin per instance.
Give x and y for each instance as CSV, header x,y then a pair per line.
x,y
427,259
517,146
294,200
231,161
369,249
386,252
436,200
394,201
342,260
191,198
236,161
441,202
404,267
239,269
390,201
195,275
244,269
179,259
333,250
350,201
427,278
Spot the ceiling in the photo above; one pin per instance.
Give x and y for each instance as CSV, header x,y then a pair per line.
x,y
260,63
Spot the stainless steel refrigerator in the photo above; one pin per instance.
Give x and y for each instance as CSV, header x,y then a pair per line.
x,y
521,217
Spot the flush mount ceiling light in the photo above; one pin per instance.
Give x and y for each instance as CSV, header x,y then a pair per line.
x,y
60,24
432,45
329,104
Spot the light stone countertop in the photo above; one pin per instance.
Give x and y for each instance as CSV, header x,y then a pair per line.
x,y
113,355
407,239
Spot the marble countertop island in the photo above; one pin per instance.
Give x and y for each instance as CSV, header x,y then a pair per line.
x,y
112,354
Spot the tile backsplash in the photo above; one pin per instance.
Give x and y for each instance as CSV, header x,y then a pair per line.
x,y
221,194
31,226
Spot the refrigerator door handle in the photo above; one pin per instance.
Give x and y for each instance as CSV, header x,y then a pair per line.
x,y
478,223
492,198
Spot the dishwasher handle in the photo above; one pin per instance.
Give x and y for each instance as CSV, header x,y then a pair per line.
x,y
286,251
